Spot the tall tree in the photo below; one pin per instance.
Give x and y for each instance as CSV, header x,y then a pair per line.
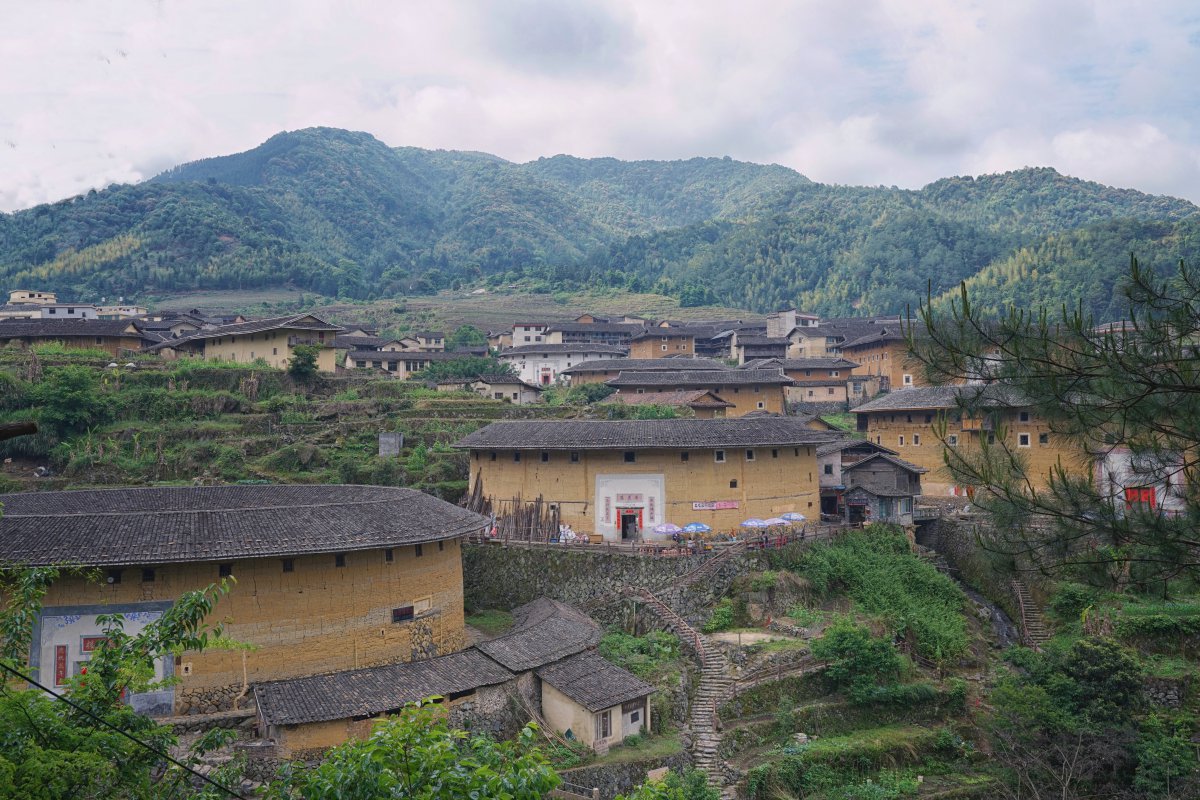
x,y
1126,395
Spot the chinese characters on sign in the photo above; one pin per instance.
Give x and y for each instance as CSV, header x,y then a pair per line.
x,y
60,665
607,508
650,509
715,506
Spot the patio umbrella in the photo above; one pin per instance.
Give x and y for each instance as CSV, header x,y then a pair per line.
x,y
754,522
793,516
775,521
696,527
667,528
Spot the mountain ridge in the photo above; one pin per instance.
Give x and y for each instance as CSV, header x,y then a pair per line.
x,y
341,213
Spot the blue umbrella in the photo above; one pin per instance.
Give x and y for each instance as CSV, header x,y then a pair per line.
x,y
754,522
696,527
773,521
667,528
793,516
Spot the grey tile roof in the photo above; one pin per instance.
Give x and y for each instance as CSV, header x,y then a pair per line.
x,y
573,347
814,363
762,341
596,327
593,682
670,333
355,342
21,328
161,525
701,378
847,443
694,398
294,321
888,457
645,434
545,631
929,398
644,364
374,690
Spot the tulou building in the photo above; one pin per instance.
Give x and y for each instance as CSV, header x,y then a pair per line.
x,y
323,578
620,479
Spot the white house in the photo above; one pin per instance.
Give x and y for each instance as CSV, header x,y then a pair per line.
x,y
541,364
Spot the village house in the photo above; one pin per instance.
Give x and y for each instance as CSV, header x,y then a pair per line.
x,y
528,333
542,364
270,340
818,380
701,403
547,662
117,337
27,297
120,312
657,343
750,347
606,369
327,578
397,363
883,353
499,340
423,341
748,389
862,481
910,421
781,323
495,387
619,479
614,333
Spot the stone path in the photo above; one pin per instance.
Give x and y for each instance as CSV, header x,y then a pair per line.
x,y
1033,625
714,685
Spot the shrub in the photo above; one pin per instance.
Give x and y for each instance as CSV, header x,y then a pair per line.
x,y
858,661
721,618
1070,601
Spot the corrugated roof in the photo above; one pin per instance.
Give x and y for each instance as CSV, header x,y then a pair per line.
x,y
164,525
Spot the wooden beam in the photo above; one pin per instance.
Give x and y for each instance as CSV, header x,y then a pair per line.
x,y
8,430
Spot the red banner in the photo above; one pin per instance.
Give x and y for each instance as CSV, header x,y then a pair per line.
x,y
60,665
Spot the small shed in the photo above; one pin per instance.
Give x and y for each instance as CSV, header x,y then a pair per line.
x,y
881,488
587,698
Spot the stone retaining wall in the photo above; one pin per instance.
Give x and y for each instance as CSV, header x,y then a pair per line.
x,y
615,779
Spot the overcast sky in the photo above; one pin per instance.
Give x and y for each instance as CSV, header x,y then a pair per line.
x,y
859,92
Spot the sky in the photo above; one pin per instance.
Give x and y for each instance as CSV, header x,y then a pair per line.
x,y
867,92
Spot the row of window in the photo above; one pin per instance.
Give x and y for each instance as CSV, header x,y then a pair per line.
x,y
1023,439
288,564
630,456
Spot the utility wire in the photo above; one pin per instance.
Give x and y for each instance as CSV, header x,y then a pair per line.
x,y
128,736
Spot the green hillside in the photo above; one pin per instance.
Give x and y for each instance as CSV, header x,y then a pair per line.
x,y
340,213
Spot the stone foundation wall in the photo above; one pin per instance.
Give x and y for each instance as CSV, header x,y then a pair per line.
x,y
957,540
616,779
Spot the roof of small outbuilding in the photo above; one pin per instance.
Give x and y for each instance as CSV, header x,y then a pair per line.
x,y
593,682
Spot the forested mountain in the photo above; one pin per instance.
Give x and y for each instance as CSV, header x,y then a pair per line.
x,y
339,212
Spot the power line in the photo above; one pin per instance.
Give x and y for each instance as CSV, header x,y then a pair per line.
x,y
114,728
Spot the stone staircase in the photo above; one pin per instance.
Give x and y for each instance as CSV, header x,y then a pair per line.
x,y
1033,624
715,684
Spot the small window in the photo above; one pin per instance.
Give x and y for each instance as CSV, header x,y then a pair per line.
x,y
417,551
113,576
719,456
908,380
830,390
733,484
148,575
991,439
492,455
545,457
575,458
630,457
1023,416
441,545
224,570
339,560
916,440
749,455
402,614
900,440
289,565
516,456
684,456
1023,440
1043,438
829,469
389,555
775,453
761,404
952,440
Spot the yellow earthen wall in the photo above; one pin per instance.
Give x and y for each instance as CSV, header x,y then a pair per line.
x,y
318,618
271,346
744,398
653,347
887,428
766,487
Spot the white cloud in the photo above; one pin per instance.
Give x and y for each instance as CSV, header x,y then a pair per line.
x,y
878,92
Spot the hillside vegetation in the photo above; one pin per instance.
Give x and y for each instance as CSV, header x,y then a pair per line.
x,y
339,213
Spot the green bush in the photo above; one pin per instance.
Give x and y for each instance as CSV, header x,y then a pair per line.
x,y
1070,601
645,656
859,663
721,618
